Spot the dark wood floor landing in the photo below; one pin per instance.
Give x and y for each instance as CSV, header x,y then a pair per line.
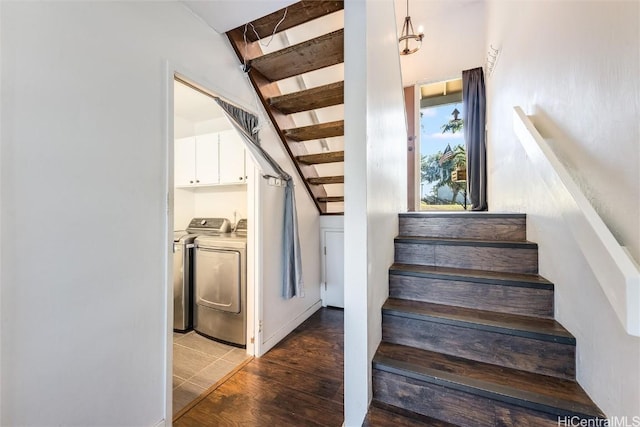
x,y
297,383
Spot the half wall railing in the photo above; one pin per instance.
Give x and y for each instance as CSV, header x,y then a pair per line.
x,y
613,266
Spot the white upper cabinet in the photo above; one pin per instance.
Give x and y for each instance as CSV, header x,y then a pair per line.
x,y
232,158
209,159
184,155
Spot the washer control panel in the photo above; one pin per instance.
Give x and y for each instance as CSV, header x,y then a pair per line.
x,y
209,225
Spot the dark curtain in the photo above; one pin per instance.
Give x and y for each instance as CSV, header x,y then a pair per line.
x,y
246,124
474,101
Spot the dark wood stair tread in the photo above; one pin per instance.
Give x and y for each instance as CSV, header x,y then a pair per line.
x,y
318,131
310,99
465,214
264,69
382,415
534,391
301,58
296,14
331,199
469,275
511,324
322,180
467,242
316,159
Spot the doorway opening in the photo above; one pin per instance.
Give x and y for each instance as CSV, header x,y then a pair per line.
x,y
213,183
442,181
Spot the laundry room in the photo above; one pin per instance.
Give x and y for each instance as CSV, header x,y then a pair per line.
x,y
212,180
210,163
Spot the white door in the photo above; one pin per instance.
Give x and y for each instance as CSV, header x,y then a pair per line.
x,y
232,167
207,170
333,268
184,155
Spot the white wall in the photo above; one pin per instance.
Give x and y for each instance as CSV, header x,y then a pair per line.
x,y
375,185
223,201
183,128
574,67
281,316
453,39
356,299
184,207
332,221
212,126
85,157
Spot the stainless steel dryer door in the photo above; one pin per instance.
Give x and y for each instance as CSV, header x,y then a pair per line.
x,y
218,279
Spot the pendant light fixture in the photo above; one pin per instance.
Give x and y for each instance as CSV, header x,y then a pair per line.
x,y
408,36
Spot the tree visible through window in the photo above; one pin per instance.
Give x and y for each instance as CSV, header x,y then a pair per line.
x,y
443,158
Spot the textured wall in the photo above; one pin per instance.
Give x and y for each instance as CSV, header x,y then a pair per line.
x,y
453,39
85,230
375,186
574,67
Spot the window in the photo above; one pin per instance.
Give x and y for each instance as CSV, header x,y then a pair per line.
x,y
442,178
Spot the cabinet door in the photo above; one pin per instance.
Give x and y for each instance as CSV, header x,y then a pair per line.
x,y
333,268
232,168
207,170
184,156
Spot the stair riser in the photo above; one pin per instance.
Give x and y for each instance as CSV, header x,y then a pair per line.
x,y
460,408
504,259
527,354
493,297
494,228
399,417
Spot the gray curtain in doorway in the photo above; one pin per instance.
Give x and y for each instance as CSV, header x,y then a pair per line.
x,y
474,102
247,124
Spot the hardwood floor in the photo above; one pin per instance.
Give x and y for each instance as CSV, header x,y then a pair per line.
x,y
381,415
297,383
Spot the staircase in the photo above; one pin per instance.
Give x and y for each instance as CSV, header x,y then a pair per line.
x,y
468,336
301,88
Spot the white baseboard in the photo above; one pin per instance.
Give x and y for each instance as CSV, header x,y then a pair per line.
x,y
288,327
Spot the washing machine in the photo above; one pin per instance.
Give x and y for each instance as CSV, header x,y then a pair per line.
x,y
183,244
220,272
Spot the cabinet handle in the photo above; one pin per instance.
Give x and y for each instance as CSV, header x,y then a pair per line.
x,y
240,178
197,180
190,182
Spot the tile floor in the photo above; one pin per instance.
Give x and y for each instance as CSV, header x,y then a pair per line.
x,y
198,363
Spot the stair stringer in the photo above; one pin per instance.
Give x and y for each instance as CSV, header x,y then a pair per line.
x,y
288,132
